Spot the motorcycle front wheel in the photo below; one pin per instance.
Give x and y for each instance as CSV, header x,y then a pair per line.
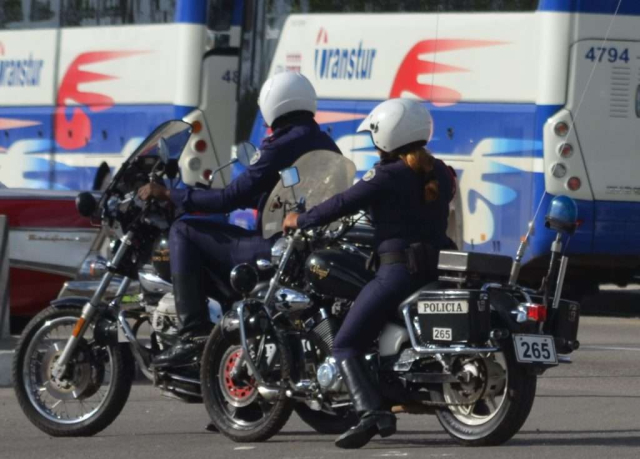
x,y
92,392
230,393
490,413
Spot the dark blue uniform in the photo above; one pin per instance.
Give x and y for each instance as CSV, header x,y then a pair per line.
x,y
196,243
393,195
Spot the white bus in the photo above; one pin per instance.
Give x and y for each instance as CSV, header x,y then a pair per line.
x,y
530,99
82,82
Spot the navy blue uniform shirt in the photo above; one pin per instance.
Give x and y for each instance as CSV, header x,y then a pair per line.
x,y
251,189
393,194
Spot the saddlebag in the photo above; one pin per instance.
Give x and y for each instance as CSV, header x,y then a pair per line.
x,y
562,324
452,317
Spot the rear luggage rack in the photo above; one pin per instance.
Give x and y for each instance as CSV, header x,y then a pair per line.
x,y
463,267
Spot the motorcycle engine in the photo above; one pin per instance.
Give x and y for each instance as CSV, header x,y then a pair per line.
x,y
328,376
165,318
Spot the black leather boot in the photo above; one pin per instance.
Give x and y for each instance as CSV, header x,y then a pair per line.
x,y
185,352
367,403
194,318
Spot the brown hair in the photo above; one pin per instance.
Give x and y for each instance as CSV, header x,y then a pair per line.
x,y
421,162
419,159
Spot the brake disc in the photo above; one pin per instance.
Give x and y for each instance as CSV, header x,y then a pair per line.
x,y
83,377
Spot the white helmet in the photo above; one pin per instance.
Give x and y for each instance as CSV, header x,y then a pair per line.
x,y
397,122
285,93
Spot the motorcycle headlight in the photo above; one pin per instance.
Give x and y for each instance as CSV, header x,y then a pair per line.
x,y
278,250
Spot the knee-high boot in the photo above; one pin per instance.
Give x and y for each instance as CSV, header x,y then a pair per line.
x,y
368,405
194,319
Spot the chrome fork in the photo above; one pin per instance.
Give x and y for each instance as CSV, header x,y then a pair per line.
x,y
89,309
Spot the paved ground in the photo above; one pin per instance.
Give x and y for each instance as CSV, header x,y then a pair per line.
x,y
585,410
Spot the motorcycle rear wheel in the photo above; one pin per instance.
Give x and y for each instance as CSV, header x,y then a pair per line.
x,y
94,392
490,422
235,407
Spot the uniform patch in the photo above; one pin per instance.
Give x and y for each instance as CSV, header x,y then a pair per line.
x,y
255,158
369,175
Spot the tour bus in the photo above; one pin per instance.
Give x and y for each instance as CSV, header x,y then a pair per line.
x,y
530,99
82,82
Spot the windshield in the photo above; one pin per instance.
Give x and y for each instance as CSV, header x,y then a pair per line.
x,y
142,161
323,173
175,133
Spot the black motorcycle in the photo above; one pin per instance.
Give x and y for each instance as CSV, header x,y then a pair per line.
x,y
75,361
467,349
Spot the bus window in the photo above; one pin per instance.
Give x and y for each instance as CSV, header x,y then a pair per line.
x,y
220,15
29,14
88,13
80,13
395,6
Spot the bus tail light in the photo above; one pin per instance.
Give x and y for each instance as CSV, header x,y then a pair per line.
x,y
565,150
207,174
196,127
558,170
200,146
574,183
561,129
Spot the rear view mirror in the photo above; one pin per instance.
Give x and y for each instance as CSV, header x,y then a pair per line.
x,y
245,152
163,150
86,204
289,177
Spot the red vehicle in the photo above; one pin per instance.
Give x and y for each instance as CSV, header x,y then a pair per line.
x,y
48,242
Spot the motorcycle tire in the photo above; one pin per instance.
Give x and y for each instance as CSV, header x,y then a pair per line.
x,y
506,421
218,357
325,423
121,378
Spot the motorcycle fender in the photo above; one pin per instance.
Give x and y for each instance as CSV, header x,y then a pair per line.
x,y
106,330
70,302
392,337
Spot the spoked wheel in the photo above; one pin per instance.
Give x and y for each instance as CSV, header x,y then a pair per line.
x,y
93,390
230,392
490,407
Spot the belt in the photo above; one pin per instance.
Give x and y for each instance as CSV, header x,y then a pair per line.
x,y
392,258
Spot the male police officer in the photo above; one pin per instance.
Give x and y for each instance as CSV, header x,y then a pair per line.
x,y
288,104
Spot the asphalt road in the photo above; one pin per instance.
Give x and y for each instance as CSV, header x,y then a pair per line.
x,y
589,409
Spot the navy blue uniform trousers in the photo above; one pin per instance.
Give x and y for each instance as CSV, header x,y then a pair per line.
x,y
377,302
197,242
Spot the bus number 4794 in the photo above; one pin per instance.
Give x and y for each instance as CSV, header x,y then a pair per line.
x,y
610,54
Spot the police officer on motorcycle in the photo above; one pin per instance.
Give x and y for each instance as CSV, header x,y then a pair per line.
x,y
407,195
287,102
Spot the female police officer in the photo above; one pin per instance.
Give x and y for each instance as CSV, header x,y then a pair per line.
x,y
288,104
407,195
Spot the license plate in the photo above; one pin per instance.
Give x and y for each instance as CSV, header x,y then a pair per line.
x,y
442,334
535,349
443,307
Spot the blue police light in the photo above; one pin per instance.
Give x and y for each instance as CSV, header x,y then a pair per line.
x,y
562,215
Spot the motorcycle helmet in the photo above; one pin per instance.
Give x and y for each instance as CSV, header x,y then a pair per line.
x,y
285,93
397,122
